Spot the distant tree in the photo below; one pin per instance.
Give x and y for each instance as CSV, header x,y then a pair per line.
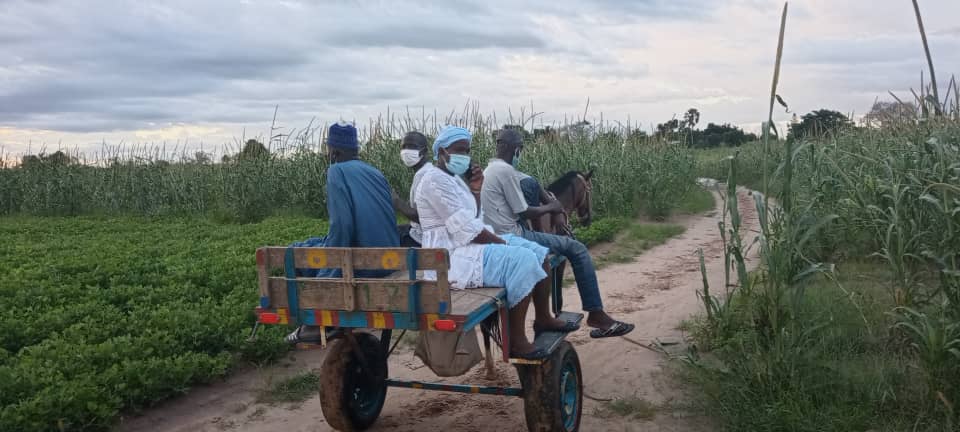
x,y
580,128
884,113
57,158
669,128
691,118
30,161
715,135
637,136
818,122
546,134
254,149
609,136
201,157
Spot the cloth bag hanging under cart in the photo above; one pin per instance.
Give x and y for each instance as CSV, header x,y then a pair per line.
x,y
449,354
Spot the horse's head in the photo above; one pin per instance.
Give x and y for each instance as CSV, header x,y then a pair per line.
x,y
584,198
574,190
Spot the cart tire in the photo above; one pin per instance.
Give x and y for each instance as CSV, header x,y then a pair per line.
x,y
553,392
350,397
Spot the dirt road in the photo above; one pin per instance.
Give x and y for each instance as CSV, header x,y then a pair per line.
x,y
656,291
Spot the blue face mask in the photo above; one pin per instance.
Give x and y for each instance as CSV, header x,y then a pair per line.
x,y
516,160
458,164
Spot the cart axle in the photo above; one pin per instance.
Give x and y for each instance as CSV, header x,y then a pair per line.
x,y
420,385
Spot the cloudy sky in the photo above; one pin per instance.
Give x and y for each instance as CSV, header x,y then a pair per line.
x,y
80,73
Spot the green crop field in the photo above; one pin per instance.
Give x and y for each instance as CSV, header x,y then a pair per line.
x,y
108,314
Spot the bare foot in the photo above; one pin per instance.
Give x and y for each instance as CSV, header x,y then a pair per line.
x,y
521,347
549,324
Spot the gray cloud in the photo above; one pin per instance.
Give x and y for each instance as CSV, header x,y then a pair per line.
x,y
868,51
436,38
113,65
684,9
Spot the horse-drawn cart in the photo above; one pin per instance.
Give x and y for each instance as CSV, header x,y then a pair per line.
x,y
354,375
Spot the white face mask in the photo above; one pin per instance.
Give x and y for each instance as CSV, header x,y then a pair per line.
x,y
410,157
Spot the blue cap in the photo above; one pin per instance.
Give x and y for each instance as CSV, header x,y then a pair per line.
x,y
343,136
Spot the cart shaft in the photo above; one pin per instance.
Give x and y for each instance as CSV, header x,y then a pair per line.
x,y
456,388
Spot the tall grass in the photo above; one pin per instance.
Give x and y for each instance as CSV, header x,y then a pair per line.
x,y
805,348
629,175
889,198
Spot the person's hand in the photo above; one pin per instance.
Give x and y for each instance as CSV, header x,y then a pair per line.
x,y
555,207
499,240
476,178
551,198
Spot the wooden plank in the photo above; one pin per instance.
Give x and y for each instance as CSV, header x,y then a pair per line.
x,y
362,258
396,258
469,300
370,295
314,293
374,295
263,272
348,298
305,258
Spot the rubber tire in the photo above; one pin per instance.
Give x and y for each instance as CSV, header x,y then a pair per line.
x,y
542,398
335,383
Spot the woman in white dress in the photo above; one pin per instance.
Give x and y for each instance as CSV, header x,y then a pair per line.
x,y
450,218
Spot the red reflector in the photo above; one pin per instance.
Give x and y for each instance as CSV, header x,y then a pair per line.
x,y
445,325
269,318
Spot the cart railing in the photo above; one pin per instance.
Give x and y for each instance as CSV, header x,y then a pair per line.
x,y
405,299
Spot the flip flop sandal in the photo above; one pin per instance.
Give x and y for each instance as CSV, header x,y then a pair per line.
x,y
617,329
568,327
537,354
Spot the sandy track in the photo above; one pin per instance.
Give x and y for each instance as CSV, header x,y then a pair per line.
x,y
656,291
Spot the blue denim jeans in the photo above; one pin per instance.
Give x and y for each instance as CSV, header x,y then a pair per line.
x,y
580,260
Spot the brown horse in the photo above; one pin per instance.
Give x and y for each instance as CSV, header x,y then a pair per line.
x,y
574,190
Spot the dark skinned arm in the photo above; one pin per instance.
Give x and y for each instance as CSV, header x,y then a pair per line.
x,y
535,212
476,183
546,197
487,237
402,206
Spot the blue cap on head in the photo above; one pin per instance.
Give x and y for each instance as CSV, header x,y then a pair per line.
x,y
343,136
449,135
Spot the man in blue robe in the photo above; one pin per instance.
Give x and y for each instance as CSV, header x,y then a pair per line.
x,y
360,208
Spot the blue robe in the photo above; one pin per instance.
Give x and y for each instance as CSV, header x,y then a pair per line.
x,y
361,214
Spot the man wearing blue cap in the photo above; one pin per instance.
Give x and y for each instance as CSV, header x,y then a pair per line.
x,y
359,199
360,208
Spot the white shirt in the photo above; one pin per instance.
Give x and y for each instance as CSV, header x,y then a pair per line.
x,y
450,220
416,232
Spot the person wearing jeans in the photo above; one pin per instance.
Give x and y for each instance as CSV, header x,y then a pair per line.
x,y
503,204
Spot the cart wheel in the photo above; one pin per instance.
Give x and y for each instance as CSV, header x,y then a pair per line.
x,y
351,398
553,392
